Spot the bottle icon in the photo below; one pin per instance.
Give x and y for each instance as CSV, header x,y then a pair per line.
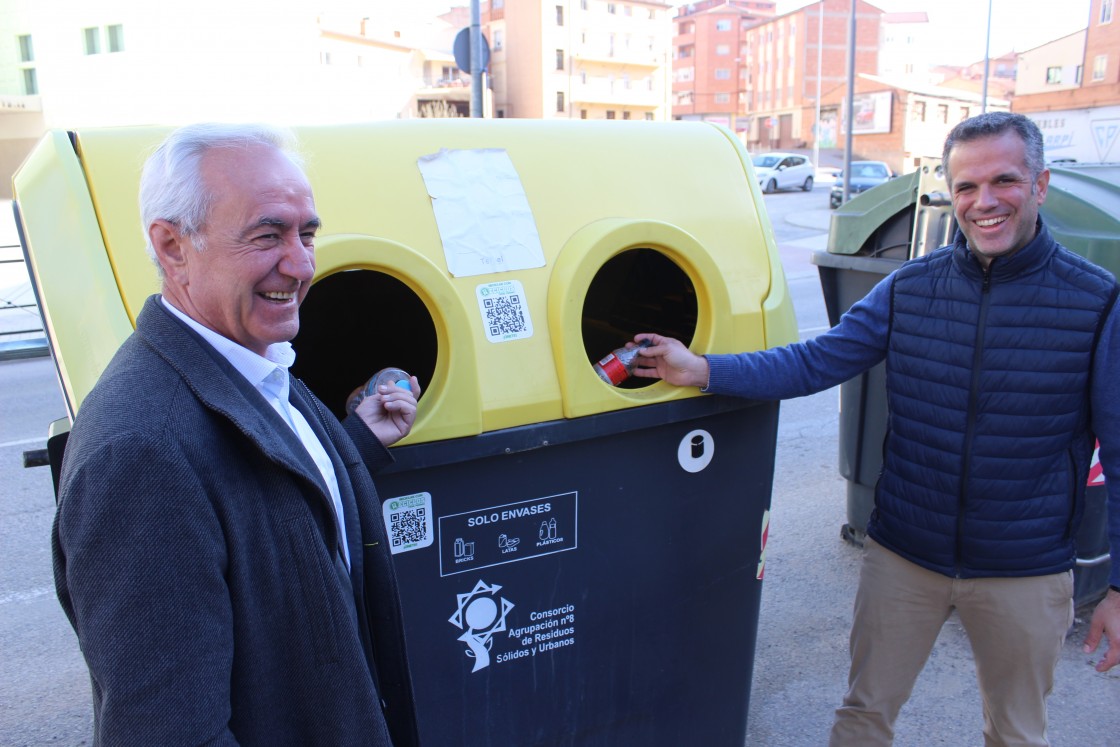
x,y
389,376
619,364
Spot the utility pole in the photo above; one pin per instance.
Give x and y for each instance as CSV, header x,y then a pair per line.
x,y
476,59
848,116
817,121
987,54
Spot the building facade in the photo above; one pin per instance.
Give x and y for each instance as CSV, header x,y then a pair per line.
x,y
782,66
579,59
70,64
1070,87
708,60
897,123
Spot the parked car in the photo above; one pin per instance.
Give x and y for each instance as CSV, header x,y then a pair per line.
x,y
865,175
783,171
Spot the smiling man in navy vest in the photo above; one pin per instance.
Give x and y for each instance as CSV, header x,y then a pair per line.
x,y
1002,353
218,545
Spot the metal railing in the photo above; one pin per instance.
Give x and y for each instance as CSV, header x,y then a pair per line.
x,y
21,325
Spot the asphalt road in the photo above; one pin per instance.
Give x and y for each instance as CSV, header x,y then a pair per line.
x,y
801,659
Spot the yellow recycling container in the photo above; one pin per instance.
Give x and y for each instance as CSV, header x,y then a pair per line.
x,y
579,563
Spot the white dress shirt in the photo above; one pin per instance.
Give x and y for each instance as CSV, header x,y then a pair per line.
x,y
269,375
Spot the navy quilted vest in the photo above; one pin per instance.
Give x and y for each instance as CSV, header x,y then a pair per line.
x,y
988,447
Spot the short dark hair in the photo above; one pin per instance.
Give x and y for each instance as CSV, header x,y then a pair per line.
x,y
991,124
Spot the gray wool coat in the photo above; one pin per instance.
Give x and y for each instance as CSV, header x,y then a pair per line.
x,y
195,554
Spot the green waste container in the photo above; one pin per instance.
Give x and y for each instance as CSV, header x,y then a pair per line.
x,y
872,235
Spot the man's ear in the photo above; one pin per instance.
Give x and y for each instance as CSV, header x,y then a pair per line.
x,y
170,246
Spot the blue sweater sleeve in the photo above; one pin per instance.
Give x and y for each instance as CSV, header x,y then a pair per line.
x,y
1106,425
855,344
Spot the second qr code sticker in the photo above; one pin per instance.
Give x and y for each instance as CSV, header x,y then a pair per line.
x,y
408,522
505,313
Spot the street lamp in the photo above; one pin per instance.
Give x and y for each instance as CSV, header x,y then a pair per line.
x,y
817,120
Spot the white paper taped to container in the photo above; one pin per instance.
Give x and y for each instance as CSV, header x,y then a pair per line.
x,y
482,213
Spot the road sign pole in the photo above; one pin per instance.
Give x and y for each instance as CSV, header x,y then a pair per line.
x,y
476,59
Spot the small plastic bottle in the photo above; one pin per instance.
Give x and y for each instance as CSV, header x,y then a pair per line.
x,y
387,376
619,363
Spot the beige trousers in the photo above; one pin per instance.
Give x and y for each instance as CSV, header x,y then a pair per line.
x,y
1016,627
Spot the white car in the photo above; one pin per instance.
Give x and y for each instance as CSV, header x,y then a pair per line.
x,y
783,171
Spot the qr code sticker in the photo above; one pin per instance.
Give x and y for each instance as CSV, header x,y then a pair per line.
x,y
408,522
505,313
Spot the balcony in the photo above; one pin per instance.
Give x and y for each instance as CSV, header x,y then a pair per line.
x,y
602,55
605,93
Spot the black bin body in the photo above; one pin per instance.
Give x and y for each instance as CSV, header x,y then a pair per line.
x,y
583,587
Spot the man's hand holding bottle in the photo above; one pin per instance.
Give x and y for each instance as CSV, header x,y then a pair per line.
x,y
668,359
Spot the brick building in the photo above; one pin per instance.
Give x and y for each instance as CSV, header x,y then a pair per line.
x,y
898,123
1072,89
767,84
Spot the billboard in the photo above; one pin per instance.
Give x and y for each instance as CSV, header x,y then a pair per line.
x,y
872,113
1082,135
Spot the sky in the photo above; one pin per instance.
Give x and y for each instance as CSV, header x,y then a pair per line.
x,y
1017,25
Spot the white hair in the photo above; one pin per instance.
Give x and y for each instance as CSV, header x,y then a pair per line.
x,y
171,185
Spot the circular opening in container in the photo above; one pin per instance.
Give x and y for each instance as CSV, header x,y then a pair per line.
x,y
353,324
639,290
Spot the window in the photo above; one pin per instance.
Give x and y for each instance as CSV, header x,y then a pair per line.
x,y
92,40
30,82
723,73
559,15
583,112
723,25
610,113
964,113
918,113
583,6
943,113
611,8
1100,63
687,28
1053,75
115,33
560,101
1077,75
559,59
626,115
26,51
498,36
723,49
649,116
1106,11
723,98
686,52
